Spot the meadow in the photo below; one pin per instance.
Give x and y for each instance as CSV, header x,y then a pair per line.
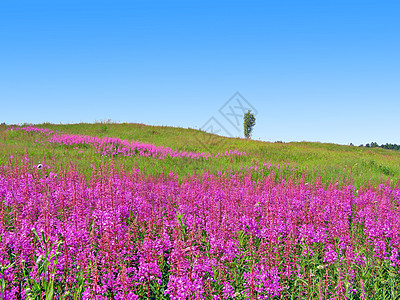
x,y
129,211
328,161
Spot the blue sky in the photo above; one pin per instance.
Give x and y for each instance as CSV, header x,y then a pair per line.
x,y
324,71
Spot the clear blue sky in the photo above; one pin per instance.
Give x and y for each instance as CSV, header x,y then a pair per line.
x,y
324,71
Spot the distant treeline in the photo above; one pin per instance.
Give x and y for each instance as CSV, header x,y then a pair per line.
x,y
384,146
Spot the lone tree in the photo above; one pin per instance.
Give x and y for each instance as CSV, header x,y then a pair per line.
x,y
248,123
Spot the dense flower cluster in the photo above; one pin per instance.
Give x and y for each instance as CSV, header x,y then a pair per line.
x,y
122,235
108,146
33,129
112,146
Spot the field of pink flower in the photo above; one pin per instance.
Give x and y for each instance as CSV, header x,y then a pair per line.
x,y
111,146
120,234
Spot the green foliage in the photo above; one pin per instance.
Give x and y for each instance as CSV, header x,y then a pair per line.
x,y
2,280
12,134
383,146
249,120
43,286
103,129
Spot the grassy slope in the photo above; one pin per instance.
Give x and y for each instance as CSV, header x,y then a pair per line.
x,y
329,160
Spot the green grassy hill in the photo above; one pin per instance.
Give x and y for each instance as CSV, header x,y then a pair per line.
x,y
330,161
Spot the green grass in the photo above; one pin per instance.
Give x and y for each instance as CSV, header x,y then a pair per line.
x,y
330,161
